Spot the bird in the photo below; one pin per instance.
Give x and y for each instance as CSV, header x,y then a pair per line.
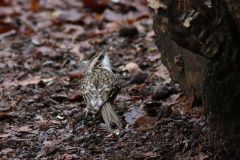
x,y
100,87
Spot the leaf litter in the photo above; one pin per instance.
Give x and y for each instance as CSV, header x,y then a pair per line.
x,y
44,49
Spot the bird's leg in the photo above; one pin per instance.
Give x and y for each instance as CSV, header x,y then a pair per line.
x,y
86,110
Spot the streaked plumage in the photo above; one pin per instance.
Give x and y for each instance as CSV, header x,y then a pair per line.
x,y
100,87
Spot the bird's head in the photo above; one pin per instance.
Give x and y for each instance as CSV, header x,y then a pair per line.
x,y
100,61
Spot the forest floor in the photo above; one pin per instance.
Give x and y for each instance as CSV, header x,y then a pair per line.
x,y
45,46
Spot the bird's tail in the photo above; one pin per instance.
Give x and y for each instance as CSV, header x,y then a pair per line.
x,y
109,116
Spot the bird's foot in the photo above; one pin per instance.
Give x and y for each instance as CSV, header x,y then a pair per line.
x,y
86,110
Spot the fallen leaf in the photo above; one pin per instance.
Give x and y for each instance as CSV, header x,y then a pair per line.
x,y
187,22
45,51
131,21
143,16
5,3
138,76
172,100
6,151
130,67
150,34
161,71
156,5
145,120
182,107
113,26
76,51
44,24
121,98
135,98
70,16
4,108
151,154
133,115
85,45
13,103
25,129
97,6
33,80
66,156
10,11
4,115
78,30
5,54
74,95
76,76
5,135
112,16
145,128
35,6
112,135
154,57
201,156
51,143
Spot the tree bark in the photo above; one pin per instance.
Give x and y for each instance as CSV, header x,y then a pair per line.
x,y
200,45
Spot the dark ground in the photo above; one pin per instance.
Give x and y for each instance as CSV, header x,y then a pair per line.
x,y
45,47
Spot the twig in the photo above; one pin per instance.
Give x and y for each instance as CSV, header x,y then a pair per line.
x,y
28,23
9,33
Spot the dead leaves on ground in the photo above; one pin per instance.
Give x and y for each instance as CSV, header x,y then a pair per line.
x,y
45,47
33,80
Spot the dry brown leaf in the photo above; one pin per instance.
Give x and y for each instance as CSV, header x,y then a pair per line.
x,y
35,6
26,129
131,67
33,80
70,16
113,26
183,108
155,4
5,135
5,108
150,34
76,94
6,151
45,50
4,115
172,100
132,116
161,71
4,54
145,120
66,156
121,97
187,22
51,143
10,10
75,50
154,57
78,30
13,103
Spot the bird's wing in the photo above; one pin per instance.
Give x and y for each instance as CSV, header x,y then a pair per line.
x,y
98,87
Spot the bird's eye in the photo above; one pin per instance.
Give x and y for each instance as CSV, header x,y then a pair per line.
x,y
100,58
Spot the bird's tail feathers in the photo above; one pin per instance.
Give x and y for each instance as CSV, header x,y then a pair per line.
x,y
109,116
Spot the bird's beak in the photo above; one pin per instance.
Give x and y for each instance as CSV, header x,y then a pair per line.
x,y
105,50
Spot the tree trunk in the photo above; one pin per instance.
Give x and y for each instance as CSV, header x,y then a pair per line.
x,y
200,45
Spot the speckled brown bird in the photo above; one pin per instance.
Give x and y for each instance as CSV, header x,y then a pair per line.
x,y
100,87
